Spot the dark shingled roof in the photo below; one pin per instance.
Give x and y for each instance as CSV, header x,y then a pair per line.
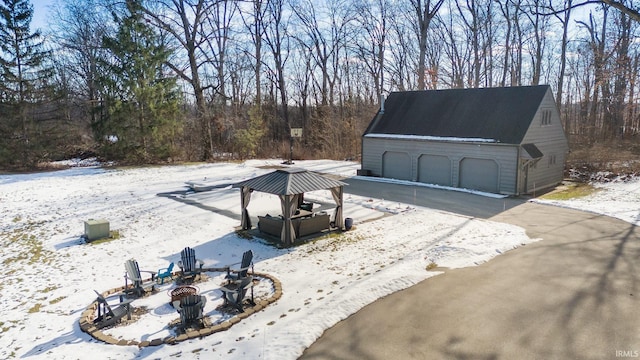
x,y
289,181
502,114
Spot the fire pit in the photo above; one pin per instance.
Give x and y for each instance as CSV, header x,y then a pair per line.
x,y
181,292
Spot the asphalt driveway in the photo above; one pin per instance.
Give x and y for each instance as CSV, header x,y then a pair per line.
x,y
573,295
453,201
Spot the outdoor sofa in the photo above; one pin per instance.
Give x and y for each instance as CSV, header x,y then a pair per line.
x,y
303,226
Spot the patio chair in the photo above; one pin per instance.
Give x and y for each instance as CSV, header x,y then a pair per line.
x,y
189,265
164,273
234,293
138,287
247,262
191,310
107,315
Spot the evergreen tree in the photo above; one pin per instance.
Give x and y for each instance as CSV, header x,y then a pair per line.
x,y
23,77
248,140
140,117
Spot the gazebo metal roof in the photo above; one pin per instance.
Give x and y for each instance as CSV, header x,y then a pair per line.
x,y
289,181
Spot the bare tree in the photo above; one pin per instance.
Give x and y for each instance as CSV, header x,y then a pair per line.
x,y
302,73
488,33
456,49
472,26
632,13
240,70
632,125
434,61
219,20
538,25
219,43
345,55
277,39
477,16
506,11
184,20
517,40
324,36
424,12
596,43
403,52
254,22
563,18
372,17
583,85
621,71
79,28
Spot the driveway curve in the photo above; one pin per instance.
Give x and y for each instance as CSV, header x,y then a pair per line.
x,y
573,295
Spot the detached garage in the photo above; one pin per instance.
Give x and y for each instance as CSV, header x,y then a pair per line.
x,y
500,140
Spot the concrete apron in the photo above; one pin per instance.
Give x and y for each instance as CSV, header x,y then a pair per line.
x,y
573,295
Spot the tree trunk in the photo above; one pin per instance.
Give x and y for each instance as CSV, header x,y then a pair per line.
x,y
423,17
563,62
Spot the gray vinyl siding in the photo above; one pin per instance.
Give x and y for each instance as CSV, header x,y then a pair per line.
x,y
551,141
373,150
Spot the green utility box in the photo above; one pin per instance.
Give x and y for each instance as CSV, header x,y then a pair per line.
x,y
96,229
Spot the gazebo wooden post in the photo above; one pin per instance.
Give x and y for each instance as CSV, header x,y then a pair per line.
x,y
338,197
289,206
286,229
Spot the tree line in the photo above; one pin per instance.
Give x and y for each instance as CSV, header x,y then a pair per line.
x,y
144,81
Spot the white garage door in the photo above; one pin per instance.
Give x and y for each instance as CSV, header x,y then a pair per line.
x,y
479,174
434,169
396,165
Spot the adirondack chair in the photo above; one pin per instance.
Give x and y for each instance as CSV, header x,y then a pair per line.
x,y
192,310
189,265
247,262
234,292
108,316
164,273
138,287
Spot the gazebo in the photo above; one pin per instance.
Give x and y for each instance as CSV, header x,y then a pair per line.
x,y
290,184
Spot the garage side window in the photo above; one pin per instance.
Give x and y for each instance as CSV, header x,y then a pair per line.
x,y
546,117
552,160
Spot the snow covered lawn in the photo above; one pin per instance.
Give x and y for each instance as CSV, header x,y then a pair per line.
x,y
618,199
49,273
